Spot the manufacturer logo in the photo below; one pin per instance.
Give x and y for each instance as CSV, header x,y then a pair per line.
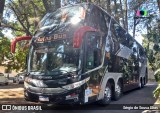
x,y
6,107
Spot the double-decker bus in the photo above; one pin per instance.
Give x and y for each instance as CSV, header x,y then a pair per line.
x,y
80,54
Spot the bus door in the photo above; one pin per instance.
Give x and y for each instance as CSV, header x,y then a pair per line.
x,y
93,48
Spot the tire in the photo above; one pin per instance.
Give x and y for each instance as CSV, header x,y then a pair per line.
x,y
141,85
144,81
118,92
6,83
29,99
107,95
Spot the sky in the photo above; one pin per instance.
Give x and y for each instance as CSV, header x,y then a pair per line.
x,y
8,33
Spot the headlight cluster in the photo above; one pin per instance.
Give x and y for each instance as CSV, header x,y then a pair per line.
x,y
26,85
76,84
38,83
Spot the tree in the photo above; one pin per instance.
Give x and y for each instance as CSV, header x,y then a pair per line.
x,y
28,14
2,2
9,60
152,45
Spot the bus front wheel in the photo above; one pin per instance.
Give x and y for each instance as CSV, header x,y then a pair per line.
x,y
107,95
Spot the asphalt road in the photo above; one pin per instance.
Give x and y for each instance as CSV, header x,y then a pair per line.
x,y
132,98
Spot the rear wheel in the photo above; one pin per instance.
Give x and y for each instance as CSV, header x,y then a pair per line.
x,y
141,84
144,81
107,95
118,91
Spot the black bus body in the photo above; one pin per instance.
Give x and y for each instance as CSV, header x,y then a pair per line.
x,y
80,54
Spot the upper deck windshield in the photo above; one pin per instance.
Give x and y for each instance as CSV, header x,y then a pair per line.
x,y
58,59
62,17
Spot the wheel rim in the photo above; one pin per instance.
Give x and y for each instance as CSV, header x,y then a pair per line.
x,y
140,84
107,94
118,90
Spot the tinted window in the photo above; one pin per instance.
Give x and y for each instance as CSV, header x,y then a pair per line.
x,y
93,51
119,32
98,19
61,56
62,17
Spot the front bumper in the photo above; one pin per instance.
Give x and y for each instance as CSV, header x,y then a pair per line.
x,y
56,98
71,93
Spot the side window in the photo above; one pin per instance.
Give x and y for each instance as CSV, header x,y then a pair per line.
x,y
134,51
130,42
93,51
115,30
141,52
119,32
94,18
104,25
107,20
98,19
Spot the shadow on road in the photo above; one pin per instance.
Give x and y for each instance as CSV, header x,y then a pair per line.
x,y
11,86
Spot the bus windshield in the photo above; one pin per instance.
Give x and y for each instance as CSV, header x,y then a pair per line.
x,y
62,17
59,58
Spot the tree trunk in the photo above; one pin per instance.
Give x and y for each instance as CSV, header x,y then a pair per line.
x,y
126,15
109,6
123,22
116,13
2,2
158,2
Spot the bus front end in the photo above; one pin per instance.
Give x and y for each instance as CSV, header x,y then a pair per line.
x,y
55,58
54,73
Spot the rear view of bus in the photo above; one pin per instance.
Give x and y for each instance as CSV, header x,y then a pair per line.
x,y
72,59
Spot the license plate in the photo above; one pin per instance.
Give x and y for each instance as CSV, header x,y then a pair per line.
x,y
43,98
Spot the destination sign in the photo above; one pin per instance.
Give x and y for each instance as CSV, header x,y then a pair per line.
x,y
50,38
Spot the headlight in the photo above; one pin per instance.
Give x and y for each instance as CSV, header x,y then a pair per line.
x,y
38,83
76,84
26,85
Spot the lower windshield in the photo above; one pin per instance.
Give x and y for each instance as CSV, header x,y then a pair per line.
x,y
60,58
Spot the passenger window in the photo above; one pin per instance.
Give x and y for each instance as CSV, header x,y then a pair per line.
x,y
141,52
119,32
134,50
103,23
93,51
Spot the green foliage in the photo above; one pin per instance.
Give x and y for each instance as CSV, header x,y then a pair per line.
x,y
156,92
12,61
28,14
4,49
